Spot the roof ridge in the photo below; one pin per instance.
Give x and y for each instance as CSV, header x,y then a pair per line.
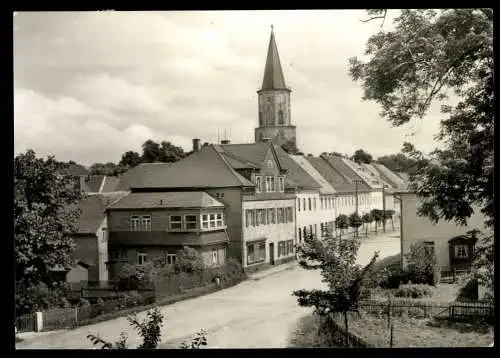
x,y
102,184
236,175
238,158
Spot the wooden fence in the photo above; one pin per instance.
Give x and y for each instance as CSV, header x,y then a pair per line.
x,y
26,323
338,335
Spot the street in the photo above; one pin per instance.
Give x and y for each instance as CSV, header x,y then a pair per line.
x,y
254,314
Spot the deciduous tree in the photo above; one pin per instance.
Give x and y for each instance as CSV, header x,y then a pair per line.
x,y
45,216
342,223
130,159
360,156
355,222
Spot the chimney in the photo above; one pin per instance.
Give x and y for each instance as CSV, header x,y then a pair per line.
x,y
196,145
225,141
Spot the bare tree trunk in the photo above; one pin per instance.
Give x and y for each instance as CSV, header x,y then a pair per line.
x,y
346,330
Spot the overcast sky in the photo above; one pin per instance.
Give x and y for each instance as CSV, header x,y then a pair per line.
x,y
90,85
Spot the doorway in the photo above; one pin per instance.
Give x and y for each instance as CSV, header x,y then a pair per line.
x,y
271,253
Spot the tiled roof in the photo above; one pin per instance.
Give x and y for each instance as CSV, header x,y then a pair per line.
x,y
322,183
161,238
203,169
341,167
75,169
136,174
332,176
93,183
189,199
110,184
93,209
254,153
297,176
389,177
403,176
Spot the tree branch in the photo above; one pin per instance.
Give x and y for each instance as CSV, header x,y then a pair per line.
x,y
377,17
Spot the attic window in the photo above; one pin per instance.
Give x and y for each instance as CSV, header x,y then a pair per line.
x,y
269,163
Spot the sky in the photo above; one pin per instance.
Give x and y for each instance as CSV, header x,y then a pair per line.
x,y
89,86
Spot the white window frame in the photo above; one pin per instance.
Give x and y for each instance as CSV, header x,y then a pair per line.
x,y
212,221
146,222
142,256
170,259
457,251
170,222
270,184
188,222
219,217
269,163
204,221
258,184
135,223
281,184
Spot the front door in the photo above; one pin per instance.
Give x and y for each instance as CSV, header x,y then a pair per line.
x,y
271,253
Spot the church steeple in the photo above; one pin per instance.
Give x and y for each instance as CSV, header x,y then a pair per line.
x,y
273,73
274,101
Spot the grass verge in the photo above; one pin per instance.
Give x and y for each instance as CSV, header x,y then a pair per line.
x,y
307,334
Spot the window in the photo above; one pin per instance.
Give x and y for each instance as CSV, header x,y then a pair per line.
x,y
314,202
212,221
190,221
289,214
281,184
304,204
215,257
175,222
256,252
270,184
321,201
289,247
269,163
263,213
258,183
135,223
271,216
146,223
298,204
281,248
204,221
280,215
304,232
310,206
170,259
142,258
220,220
261,120
119,254
258,217
300,235
316,229
461,251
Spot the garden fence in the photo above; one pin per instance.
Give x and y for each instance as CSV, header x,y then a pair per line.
x,y
338,335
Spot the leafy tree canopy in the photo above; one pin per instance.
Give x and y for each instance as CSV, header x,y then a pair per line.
x,y
360,156
44,218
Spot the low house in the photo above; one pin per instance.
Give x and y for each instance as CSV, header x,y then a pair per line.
x,y
145,226
453,249
91,239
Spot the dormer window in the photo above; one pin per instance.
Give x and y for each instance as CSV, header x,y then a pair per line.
x,y
269,163
270,186
281,117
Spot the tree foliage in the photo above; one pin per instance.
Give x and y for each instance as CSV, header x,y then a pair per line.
x,y
130,159
164,152
422,264
109,169
342,222
336,260
398,163
290,147
360,156
188,260
45,217
367,219
355,221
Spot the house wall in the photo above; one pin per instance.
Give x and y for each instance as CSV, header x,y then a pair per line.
x,y
319,214
77,274
273,233
415,228
87,250
232,199
102,250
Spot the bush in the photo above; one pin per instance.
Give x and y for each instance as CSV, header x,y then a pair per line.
x,y
188,260
32,298
422,264
469,291
82,302
413,291
394,278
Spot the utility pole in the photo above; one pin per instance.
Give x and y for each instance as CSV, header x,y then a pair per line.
x,y
356,182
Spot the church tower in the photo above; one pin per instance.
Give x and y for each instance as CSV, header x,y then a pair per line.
x,y
274,102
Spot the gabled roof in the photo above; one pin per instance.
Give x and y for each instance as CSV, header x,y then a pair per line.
x,y
332,176
338,164
296,175
188,199
388,176
252,153
367,176
93,211
403,176
205,168
273,73
110,184
322,183
135,174
93,183
75,169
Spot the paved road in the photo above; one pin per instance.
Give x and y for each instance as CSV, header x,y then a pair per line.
x,y
254,314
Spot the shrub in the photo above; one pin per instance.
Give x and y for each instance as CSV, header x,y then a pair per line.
x,y
135,276
82,302
469,291
99,301
422,264
413,291
394,278
32,298
188,260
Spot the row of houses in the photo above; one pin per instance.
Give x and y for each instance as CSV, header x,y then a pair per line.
x,y
253,202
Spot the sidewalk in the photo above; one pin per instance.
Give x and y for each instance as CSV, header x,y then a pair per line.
x,y
273,270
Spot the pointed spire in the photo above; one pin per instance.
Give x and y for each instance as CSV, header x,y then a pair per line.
x,y
273,74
